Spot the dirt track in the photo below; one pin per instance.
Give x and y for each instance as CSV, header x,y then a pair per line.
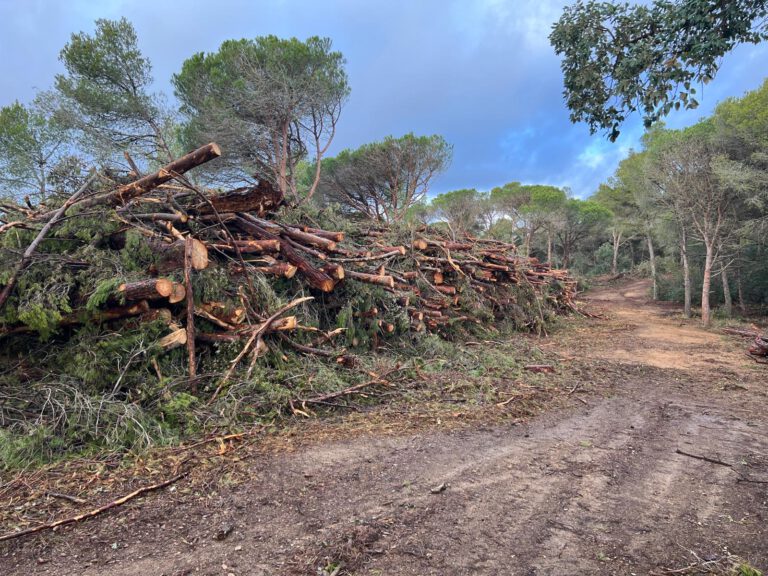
x,y
591,489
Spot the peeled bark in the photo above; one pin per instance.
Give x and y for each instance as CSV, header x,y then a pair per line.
x,y
251,246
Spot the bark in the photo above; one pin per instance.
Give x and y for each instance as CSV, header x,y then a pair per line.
x,y
652,259
260,199
706,315
686,272
616,245
152,289
728,300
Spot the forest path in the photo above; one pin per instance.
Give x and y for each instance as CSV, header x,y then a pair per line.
x,y
599,487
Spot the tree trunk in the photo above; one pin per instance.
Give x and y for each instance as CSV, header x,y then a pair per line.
x,y
706,315
616,245
259,199
686,272
740,292
652,260
152,181
727,299
549,247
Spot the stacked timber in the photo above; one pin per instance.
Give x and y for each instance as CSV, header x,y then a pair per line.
x,y
414,280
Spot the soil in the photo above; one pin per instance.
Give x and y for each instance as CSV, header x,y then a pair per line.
x,y
657,462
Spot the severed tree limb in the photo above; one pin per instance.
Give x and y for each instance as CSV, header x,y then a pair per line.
x,y
40,237
352,389
257,333
95,512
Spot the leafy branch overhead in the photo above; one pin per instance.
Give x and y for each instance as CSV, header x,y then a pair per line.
x,y
619,58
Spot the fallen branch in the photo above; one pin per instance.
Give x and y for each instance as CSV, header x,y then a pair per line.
x,y
95,512
704,458
351,389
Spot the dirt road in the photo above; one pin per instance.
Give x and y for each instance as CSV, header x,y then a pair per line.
x,y
618,485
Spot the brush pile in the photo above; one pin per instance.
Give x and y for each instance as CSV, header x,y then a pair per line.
x,y
213,268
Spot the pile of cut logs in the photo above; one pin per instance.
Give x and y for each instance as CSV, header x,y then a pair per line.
x,y
438,281
758,348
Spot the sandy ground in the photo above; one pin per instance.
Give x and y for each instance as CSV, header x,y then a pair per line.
x,y
599,487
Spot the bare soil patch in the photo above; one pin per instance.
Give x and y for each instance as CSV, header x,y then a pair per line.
x,y
658,462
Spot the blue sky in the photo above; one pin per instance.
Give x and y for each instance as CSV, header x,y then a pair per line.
x,y
479,72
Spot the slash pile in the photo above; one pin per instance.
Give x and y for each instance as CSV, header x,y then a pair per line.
x,y
214,268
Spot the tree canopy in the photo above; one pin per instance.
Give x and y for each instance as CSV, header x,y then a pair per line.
x,y
619,58
269,102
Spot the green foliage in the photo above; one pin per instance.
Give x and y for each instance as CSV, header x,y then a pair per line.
x,y
106,92
619,58
31,147
266,101
104,292
384,180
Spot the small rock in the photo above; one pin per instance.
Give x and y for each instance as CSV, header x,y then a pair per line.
x,y
224,531
438,489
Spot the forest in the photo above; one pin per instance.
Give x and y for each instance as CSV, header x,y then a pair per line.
x,y
505,312
170,259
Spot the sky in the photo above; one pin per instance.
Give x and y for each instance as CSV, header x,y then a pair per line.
x,y
481,73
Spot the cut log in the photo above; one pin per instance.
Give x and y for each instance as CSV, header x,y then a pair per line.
x,y
171,256
335,236
173,340
178,294
420,244
152,181
152,289
259,199
281,269
387,281
315,278
251,246
335,271
438,278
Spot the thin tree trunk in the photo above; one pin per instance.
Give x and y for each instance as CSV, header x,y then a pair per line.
x,y
686,272
549,247
740,292
616,245
706,314
728,300
652,259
